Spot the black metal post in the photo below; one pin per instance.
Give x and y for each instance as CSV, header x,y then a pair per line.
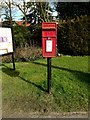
x,y
13,61
49,74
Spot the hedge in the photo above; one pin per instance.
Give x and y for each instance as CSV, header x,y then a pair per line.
x,y
73,36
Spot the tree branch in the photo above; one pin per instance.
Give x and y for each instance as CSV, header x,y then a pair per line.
x,y
5,15
17,5
40,18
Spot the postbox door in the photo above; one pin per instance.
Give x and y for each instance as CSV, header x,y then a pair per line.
x,y
49,47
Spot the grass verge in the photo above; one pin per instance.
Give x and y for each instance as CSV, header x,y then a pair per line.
x,y
26,87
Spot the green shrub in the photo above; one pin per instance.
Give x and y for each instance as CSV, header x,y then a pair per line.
x,y
73,36
22,36
37,34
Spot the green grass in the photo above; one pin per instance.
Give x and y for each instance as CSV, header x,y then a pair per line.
x,y
26,87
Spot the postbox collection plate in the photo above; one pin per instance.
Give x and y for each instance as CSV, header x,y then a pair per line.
x,y
48,45
49,39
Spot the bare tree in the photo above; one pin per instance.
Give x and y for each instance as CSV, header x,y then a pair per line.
x,y
23,7
7,6
43,10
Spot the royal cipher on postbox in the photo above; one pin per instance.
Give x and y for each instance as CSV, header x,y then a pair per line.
x,y
49,39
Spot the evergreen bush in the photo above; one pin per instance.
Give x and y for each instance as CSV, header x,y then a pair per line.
x,y
73,36
22,36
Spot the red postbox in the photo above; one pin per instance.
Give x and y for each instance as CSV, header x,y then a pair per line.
x,y
49,39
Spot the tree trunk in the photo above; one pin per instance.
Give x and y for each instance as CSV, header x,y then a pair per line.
x,y
10,13
25,21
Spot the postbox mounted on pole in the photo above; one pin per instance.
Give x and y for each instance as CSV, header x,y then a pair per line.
x,y
49,43
49,39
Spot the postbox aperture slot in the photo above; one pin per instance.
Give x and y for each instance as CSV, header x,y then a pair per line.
x,y
49,29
